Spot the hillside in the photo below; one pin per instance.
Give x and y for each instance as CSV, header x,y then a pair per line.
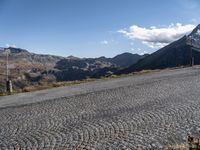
x,y
126,59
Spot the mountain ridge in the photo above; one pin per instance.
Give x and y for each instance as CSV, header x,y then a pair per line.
x,y
117,60
177,53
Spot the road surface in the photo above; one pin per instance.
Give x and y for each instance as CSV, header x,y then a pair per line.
x,y
148,111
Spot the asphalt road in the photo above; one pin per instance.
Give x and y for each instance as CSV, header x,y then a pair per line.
x,y
148,111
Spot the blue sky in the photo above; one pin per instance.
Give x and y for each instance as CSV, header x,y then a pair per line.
x,y
93,28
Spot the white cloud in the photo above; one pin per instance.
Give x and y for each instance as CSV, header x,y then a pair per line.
x,y
104,42
143,52
135,49
155,44
11,45
155,37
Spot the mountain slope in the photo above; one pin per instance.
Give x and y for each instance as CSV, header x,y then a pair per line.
x,y
23,59
175,54
72,69
126,59
27,68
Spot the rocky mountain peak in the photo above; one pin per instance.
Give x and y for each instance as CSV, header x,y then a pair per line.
x,y
193,38
196,31
71,57
14,50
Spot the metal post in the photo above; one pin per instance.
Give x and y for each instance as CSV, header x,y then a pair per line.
x,y
9,88
6,66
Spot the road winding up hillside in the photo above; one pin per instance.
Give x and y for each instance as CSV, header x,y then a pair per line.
x,y
148,111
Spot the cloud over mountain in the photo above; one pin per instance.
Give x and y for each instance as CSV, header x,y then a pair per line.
x,y
155,37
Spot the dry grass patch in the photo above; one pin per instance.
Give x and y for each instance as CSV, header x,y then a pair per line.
x,y
43,86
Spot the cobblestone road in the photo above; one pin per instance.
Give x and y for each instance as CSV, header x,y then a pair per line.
x,y
149,111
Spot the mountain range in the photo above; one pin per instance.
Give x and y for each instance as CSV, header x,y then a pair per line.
x,y
29,68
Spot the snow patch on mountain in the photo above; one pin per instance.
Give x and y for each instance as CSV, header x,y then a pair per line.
x,y
198,32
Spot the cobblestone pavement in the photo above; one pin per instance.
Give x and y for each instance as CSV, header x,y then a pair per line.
x,y
149,111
